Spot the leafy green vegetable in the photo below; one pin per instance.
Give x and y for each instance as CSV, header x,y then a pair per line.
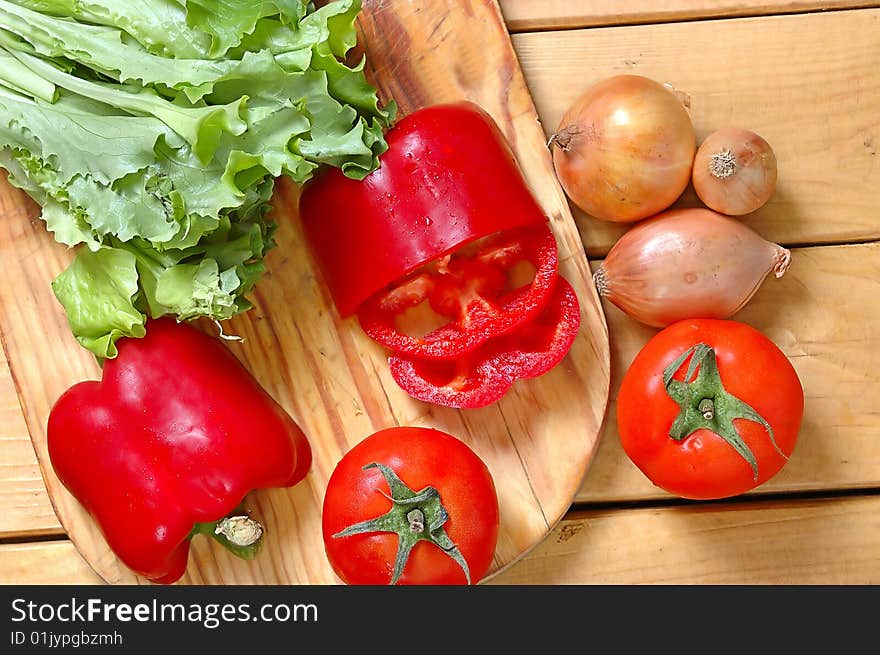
x,y
152,132
100,286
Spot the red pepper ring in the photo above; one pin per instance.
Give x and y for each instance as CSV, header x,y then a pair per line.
x,y
471,289
484,376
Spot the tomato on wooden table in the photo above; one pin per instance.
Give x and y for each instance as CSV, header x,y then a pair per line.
x,y
710,409
410,505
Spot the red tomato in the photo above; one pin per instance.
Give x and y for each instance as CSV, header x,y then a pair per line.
x,y
709,409
429,474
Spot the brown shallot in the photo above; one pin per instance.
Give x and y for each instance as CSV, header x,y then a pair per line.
x,y
687,263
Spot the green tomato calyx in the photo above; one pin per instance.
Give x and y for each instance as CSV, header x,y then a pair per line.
x,y
414,516
706,404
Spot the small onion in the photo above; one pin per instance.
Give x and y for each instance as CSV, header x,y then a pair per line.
x,y
687,263
624,150
734,171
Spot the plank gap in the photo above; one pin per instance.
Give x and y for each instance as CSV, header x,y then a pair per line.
x,y
568,23
34,537
578,508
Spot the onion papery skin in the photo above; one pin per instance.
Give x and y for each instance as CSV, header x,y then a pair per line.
x,y
625,149
735,171
687,263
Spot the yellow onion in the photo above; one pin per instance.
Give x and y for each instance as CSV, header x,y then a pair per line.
x,y
734,171
687,263
624,149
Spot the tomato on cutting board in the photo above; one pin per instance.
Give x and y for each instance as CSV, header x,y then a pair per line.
x,y
410,505
709,409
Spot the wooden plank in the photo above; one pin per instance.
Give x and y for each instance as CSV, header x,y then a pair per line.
x,y
810,84
46,562
528,15
823,313
329,376
826,541
26,507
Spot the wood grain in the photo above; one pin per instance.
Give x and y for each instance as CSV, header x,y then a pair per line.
x,y
334,381
823,541
529,15
809,84
823,314
26,507
45,562
820,541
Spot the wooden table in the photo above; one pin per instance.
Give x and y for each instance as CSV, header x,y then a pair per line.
x,y
805,75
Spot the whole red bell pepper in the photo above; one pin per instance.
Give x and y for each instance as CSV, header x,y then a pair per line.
x,y
168,444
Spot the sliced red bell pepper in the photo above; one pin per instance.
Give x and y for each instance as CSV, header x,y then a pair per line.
x,y
444,224
483,376
168,444
447,179
473,289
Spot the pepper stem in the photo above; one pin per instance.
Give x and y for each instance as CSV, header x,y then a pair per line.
x,y
238,533
706,404
414,516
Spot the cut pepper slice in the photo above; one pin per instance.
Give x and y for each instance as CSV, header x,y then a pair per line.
x,y
473,292
484,376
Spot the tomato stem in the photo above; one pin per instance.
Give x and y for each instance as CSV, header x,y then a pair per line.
x,y
706,404
707,408
416,521
414,516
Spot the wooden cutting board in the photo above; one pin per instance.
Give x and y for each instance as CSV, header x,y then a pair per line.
x,y
537,442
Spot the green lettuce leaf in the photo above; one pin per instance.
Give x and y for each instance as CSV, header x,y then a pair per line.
x,y
152,133
160,26
97,291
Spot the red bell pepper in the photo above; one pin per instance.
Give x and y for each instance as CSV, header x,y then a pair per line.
x,y
473,289
448,178
167,445
482,377
429,251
